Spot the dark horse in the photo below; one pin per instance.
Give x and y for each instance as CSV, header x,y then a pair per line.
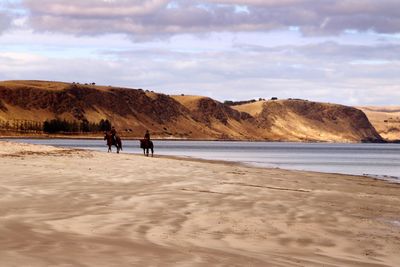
x,y
113,142
146,145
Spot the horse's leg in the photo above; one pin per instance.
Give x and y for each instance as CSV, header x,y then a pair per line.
x,y
109,149
152,152
117,149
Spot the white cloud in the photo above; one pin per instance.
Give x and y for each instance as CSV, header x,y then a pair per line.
x,y
158,18
227,49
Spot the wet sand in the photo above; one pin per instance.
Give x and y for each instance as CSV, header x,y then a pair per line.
x,y
63,207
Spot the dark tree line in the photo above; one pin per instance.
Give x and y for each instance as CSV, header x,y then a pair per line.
x,y
55,126
64,126
236,103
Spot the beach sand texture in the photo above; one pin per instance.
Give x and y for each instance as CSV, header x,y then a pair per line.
x,y
63,207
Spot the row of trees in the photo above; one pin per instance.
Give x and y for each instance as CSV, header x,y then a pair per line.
x,y
55,126
64,126
236,103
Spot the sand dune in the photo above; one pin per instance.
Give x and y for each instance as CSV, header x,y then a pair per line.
x,y
63,207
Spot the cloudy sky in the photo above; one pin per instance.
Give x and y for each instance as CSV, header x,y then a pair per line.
x,y
342,51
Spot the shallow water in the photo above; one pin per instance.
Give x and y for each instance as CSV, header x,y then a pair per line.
x,y
377,160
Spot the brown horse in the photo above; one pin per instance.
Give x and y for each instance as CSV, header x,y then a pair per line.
x,y
111,141
146,145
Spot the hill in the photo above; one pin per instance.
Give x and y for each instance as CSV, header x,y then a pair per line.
x,y
133,111
300,120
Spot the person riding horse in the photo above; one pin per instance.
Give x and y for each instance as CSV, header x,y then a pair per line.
x,y
113,139
147,144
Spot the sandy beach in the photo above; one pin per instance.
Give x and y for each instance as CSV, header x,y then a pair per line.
x,y
63,207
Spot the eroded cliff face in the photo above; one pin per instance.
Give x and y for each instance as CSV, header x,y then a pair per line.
x,y
134,110
79,100
300,120
126,108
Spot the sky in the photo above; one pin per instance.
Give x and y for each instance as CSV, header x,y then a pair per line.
x,y
338,51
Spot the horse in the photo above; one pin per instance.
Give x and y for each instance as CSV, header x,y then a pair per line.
x,y
113,142
146,144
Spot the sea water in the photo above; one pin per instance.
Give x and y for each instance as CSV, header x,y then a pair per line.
x,y
377,160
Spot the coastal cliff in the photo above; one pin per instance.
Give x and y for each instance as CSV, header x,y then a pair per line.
x,y
192,117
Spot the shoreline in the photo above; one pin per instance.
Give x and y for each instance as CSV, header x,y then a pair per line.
x,y
384,177
222,162
62,206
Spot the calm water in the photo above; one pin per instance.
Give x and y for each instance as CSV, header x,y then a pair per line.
x,y
380,160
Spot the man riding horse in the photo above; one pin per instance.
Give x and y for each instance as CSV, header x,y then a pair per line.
x,y
147,144
113,140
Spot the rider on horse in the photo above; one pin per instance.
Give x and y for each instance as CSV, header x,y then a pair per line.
x,y
113,139
146,144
